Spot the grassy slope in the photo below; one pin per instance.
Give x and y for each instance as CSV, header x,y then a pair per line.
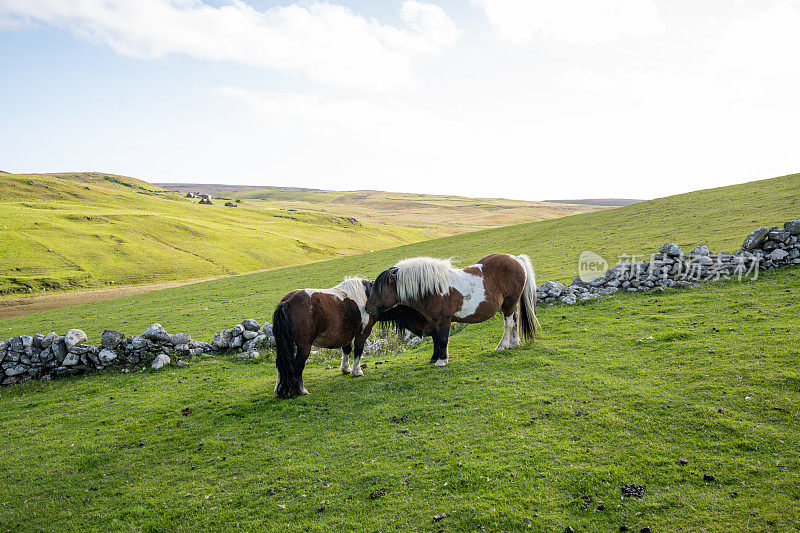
x,y
208,448
84,230
718,217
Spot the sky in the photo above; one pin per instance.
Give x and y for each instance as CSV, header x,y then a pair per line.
x,y
525,99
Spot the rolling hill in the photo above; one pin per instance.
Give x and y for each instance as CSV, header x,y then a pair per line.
x,y
437,215
691,394
87,230
719,217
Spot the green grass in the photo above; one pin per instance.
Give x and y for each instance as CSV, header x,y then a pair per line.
x,y
719,217
60,232
718,385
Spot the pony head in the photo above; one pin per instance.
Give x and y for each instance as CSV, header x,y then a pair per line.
x,y
384,293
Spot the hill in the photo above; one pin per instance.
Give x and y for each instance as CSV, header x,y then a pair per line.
x,y
719,217
87,230
435,214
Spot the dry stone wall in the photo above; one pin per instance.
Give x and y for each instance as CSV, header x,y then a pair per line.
x,y
764,249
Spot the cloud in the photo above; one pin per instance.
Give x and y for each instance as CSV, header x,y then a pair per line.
x,y
329,43
385,123
577,22
762,43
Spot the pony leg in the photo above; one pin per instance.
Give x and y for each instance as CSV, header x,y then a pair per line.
x,y
357,351
441,339
505,340
302,355
515,341
346,359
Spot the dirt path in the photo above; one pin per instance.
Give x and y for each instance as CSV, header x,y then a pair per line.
x,y
27,305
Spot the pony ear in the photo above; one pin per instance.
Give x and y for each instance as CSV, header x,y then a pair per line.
x,y
392,277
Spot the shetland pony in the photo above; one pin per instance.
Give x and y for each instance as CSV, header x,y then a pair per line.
x,y
442,294
329,318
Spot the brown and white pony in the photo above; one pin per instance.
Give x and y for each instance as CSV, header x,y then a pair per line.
x,y
329,318
443,294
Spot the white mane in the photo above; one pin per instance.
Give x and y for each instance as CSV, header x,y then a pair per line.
x,y
354,289
420,276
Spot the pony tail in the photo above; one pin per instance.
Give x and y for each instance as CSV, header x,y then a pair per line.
x,y
528,324
287,384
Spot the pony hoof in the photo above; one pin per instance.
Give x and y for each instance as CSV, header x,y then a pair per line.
x,y
358,372
304,391
346,370
440,362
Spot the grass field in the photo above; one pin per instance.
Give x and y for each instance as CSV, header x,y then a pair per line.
x,y
537,438
616,392
87,230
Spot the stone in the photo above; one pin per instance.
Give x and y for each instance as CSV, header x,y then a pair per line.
x,y
156,333
74,337
139,342
413,341
107,356
249,334
59,348
15,370
180,338
670,249
778,255
251,325
779,236
753,240
792,227
701,250
71,359
705,260
111,339
236,342
708,477
267,327
160,360
253,343
181,363
237,330
48,339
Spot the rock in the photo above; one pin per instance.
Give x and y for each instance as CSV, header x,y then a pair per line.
x,y
247,355
683,461
249,334
251,325
753,240
156,333
268,329
161,360
778,254
708,477
139,342
71,359
74,337
792,227
671,249
413,341
59,348
700,250
778,236
705,260
254,343
230,204
111,339
237,330
180,338
48,339
107,356
16,370
236,342
181,363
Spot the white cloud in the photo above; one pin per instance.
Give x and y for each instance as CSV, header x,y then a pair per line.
x,y
577,22
762,43
327,42
385,123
